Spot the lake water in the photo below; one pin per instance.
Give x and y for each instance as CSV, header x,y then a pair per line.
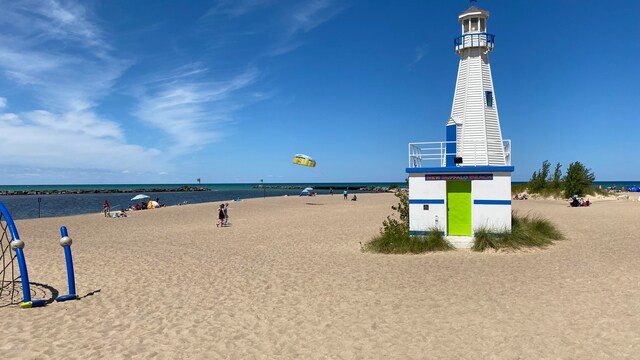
x,y
28,206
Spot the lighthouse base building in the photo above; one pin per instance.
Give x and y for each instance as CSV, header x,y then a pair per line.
x,y
458,201
463,184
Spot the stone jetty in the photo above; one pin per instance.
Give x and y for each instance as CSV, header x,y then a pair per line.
x,y
324,187
103,191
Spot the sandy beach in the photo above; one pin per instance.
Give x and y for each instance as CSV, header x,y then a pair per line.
x,y
287,279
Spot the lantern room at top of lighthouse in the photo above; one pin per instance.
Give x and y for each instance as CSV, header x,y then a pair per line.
x,y
473,23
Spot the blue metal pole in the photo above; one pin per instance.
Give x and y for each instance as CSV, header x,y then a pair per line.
x,y
22,263
66,244
24,275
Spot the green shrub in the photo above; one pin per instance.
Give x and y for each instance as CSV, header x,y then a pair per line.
x,y
539,178
578,180
525,232
518,188
401,243
394,235
484,239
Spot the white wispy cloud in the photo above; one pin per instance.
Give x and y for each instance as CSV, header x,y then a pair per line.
x,y
283,22
420,51
43,139
189,108
235,8
54,49
302,18
9,118
311,14
56,54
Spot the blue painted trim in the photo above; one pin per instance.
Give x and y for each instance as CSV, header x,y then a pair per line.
x,y
461,169
490,39
451,144
426,201
422,232
492,202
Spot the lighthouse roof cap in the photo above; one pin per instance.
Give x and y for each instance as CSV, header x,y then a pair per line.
x,y
473,10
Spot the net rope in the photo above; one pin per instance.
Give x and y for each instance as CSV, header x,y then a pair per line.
x,y
8,275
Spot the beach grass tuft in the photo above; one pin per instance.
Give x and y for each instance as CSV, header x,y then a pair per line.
x,y
403,243
526,231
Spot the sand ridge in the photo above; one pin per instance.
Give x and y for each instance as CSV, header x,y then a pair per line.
x,y
287,279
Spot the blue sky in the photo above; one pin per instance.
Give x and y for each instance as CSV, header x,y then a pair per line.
x,y
229,90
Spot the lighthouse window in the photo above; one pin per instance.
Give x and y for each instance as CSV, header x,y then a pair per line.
x,y
474,24
466,26
482,28
489,97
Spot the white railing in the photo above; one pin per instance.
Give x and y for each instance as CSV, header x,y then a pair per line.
x,y
434,154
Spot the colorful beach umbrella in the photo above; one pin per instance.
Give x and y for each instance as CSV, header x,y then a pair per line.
x,y
139,197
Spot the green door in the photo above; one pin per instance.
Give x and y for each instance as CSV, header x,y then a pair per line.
x,y
459,208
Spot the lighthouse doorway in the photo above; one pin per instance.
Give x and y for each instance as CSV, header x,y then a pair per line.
x,y
459,208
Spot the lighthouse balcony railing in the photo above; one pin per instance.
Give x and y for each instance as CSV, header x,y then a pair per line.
x,y
474,40
435,154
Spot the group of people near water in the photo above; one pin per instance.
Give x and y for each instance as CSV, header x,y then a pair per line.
x,y
106,208
223,215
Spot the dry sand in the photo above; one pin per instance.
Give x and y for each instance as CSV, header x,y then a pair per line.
x,y
287,279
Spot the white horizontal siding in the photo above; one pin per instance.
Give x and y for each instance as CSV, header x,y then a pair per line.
x,y
480,140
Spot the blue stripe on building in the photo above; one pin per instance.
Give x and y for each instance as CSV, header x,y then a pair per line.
x,y
492,202
426,201
422,232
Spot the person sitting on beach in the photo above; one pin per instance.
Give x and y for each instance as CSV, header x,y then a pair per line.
x,y
354,198
574,201
123,213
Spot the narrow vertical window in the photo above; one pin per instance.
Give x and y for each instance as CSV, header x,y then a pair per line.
x,y
466,26
482,28
489,97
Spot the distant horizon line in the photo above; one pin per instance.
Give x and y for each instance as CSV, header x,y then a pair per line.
x,y
265,182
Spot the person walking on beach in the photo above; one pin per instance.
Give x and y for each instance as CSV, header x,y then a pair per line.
x,y
106,208
345,194
226,214
220,216
331,191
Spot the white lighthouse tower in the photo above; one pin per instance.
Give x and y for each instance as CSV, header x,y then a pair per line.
x,y
463,184
474,103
